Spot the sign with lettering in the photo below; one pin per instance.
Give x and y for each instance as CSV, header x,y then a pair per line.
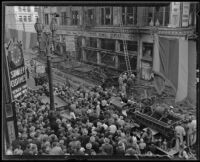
x,y
175,15
70,43
16,67
185,14
100,35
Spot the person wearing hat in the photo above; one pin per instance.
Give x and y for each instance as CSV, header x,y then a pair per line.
x,y
88,148
18,151
120,149
107,147
142,146
84,138
95,145
56,149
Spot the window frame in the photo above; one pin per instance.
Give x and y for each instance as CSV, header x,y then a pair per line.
x,y
29,18
36,9
63,18
28,9
19,8
103,15
24,9
46,19
24,18
75,20
125,15
20,19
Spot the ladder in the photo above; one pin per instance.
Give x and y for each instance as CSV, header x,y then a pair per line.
x,y
126,57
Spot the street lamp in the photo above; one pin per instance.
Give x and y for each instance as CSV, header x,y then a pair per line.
x,y
39,29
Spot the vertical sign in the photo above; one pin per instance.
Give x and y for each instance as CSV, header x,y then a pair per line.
x,y
175,14
16,68
185,14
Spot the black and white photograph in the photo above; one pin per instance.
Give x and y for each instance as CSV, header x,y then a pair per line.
x,y
100,80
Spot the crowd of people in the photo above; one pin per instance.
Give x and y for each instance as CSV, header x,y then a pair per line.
x,y
94,126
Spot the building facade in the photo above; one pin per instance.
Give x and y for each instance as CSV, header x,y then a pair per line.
x,y
98,34
21,17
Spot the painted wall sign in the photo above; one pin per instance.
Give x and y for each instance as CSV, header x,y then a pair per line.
x,y
175,14
16,66
100,35
185,14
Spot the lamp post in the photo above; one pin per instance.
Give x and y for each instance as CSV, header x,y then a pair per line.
x,y
53,28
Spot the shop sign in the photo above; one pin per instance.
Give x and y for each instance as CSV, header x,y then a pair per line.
x,y
185,14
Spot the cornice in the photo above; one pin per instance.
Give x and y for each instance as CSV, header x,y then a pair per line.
x,y
167,31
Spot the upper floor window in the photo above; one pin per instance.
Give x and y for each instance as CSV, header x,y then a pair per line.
x,y
148,15
25,19
129,15
36,18
63,18
28,9
36,9
46,19
192,15
106,16
90,17
24,9
75,17
20,19
161,16
29,19
20,9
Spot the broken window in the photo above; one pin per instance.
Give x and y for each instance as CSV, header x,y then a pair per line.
x,y
91,42
148,15
108,44
63,18
129,15
90,17
75,17
91,56
106,16
107,59
132,46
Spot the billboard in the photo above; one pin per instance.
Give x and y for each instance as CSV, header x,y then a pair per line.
x,y
16,69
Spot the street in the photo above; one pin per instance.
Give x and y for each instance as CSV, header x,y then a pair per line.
x,y
28,55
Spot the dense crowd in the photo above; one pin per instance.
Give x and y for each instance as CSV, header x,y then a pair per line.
x,y
93,127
